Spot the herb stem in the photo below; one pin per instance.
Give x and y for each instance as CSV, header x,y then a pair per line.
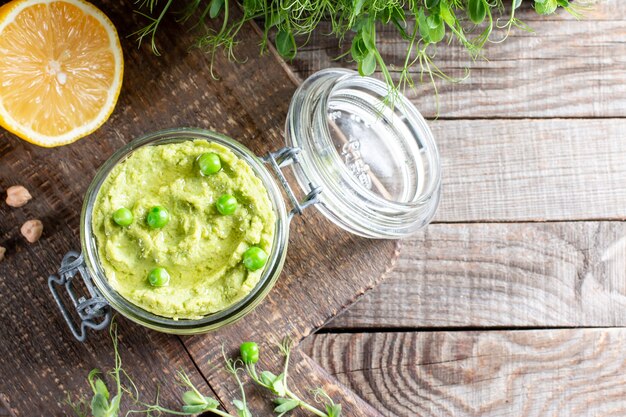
x,y
286,351
304,404
177,413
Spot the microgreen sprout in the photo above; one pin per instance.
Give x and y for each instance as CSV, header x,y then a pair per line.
x,y
286,400
194,402
106,403
234,367
423,24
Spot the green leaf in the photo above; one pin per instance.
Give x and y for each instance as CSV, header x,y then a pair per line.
x,y
268,378
192,398
563,3
238,404
546,7
242,409
477,11
101,388
358,52
360,22
275,19
286,44
99,406
333,410
357,6
216,6
436,28
115,406
368,65
447,15
211,402
194,409
278,386
287,405
431,4
280,400
422,25
368,32
517,3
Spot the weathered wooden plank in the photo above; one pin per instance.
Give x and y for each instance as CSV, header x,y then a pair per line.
x,y
503,275
565,68
517,170
504,373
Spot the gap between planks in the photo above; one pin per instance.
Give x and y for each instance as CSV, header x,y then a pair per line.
x,y
451,329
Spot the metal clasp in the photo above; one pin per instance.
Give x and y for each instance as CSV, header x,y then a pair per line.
x,y
285,157
94,312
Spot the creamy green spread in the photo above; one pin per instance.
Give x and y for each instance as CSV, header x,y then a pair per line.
x,y
200,248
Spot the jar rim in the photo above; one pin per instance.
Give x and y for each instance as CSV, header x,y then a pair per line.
x,y
214,320
346,200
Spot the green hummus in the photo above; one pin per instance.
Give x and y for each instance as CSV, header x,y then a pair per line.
x,y
200,248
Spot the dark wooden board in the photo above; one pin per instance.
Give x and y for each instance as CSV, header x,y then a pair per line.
x,y
326,271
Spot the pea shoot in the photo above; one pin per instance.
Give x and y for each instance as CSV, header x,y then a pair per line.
x,y
157,217
159,277
420,24
209,163
123,217
254,258
226,204
108,403
286,400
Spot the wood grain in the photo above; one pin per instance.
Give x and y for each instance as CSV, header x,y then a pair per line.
x,y
172,90
519,170
565,68
502,275
567,373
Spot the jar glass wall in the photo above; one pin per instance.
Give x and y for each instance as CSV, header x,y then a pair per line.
x,y
372,153
271,270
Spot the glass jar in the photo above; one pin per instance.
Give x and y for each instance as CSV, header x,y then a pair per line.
x,y
370,165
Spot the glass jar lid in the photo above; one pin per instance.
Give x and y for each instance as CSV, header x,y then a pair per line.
x,y
374,157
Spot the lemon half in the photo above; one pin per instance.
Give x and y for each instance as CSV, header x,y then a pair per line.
x,y
61,69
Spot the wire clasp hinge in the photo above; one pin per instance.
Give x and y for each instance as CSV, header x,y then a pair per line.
x,y
94,312
285,157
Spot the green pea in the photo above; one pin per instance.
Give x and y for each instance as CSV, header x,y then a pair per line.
x,y
254,258
157,217
249,353
159,277
123,217
226,204
209,163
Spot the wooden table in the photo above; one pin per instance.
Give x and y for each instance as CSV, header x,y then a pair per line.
x,y
509,304
512,302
